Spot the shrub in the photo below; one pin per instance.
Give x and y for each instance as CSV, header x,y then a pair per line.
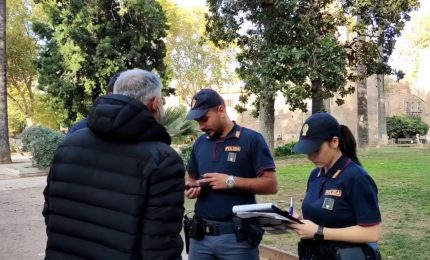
x,y
185,154
403,126
42,143
180,129
286,149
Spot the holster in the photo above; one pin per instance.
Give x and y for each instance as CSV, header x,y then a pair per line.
x,y
187,233
246,231
197,228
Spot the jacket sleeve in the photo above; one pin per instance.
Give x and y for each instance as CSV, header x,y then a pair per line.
x,y
45,211
164,209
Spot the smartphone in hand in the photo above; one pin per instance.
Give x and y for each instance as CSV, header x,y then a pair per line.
x,y
188,186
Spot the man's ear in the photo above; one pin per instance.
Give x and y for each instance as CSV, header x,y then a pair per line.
x,y
153,104
223,110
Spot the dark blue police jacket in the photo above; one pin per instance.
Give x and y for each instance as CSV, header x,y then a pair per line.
x,y
344,196
243,153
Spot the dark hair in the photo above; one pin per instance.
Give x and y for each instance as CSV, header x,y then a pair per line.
x,y
348,145
111,83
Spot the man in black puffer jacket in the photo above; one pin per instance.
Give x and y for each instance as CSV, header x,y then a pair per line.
x,y
116,189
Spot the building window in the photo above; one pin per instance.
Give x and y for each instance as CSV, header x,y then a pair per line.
x,y
413,107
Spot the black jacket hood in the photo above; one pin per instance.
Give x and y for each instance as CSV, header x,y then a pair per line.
x,y
120,118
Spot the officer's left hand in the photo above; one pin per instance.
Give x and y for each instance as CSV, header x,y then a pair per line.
x,y
218,181
306,230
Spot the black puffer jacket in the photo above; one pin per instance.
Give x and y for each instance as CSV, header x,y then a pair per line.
x,y
116,189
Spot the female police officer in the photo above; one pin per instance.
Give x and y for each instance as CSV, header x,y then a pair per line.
x,y
340,208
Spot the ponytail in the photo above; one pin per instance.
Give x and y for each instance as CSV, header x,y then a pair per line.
x,y
348,145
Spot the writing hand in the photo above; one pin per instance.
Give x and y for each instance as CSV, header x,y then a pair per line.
x,y
306,230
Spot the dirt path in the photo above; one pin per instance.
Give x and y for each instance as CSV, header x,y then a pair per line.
x,y
22,230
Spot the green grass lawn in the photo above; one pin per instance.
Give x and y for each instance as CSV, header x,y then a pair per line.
x,y
403,178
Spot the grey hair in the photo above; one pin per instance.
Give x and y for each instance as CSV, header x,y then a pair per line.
x,y
138,84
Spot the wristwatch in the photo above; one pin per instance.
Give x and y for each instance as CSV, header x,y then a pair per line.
x,y
230,182
319,235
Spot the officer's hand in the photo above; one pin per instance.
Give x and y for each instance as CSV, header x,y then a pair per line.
x,y
192,189
306,230
218,181
297,215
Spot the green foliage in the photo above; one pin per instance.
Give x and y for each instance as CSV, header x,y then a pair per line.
x,y
194,63
293,46
286,149
42,143
180,129
185,154
16,121
86,42
49,111
21,72
402,126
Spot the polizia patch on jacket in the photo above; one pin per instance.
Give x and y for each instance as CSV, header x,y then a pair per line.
x,y
336,193
232,149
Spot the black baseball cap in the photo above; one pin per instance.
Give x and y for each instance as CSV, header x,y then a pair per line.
x,y
318,128
204,100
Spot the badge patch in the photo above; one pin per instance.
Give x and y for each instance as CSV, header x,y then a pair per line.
x,y
231,157
232,149
336,193
328,204
237,134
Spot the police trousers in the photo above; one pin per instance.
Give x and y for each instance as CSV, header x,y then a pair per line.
x,y
229,240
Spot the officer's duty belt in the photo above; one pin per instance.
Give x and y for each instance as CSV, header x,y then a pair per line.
x,y
215,228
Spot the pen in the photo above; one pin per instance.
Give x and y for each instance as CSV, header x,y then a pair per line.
x,y
291,206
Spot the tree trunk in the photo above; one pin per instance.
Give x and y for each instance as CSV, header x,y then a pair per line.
x,y
362,118
382,120
317,99
267,118
327,105
4,132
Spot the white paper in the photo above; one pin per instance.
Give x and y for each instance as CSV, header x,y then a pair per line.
x,y
253,207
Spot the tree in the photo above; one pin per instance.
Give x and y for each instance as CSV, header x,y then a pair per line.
x,y
86,42
4,135
377,27
193,62
292,47
286,48
21,52
402,126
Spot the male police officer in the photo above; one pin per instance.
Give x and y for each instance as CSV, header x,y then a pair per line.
x,y
229,164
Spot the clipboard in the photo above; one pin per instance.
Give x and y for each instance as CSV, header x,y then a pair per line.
x,y
285,214
268,216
